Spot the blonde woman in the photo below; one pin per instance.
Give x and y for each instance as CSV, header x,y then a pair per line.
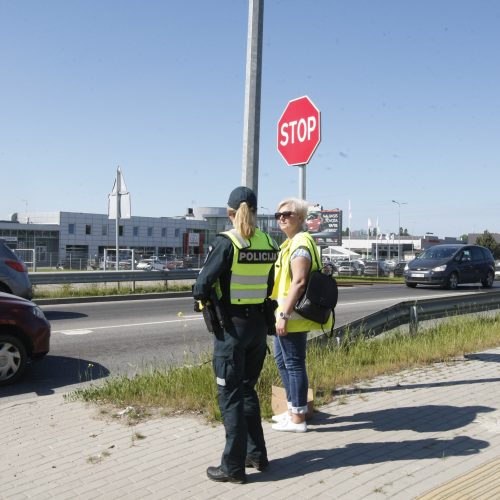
x,y
239,270
298,257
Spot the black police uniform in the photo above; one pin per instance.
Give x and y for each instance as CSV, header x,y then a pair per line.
x,y
239,353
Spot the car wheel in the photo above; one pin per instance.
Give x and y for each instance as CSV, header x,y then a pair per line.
x,y
13,359
452,281
411,285
4,288
488,282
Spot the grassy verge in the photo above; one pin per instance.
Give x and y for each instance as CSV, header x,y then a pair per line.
x,y
192,388
105,289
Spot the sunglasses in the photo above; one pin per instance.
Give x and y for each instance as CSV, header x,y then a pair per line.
x,y
286,214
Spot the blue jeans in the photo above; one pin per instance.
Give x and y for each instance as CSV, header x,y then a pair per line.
x,y
290,356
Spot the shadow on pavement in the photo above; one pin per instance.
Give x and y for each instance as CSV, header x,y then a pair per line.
x,y
403,386
427,418
309,461
484,356
52,372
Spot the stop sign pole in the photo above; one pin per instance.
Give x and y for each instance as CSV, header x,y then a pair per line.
x,y
299,134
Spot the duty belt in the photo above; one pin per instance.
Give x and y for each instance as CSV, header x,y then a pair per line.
x,y
244,310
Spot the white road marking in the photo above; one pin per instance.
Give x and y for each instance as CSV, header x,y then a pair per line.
x,y
396,300
75,332
128,325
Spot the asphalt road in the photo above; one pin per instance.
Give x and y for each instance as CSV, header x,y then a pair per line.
x,y
91,341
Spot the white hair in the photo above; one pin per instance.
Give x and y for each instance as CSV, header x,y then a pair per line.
x,y
299,206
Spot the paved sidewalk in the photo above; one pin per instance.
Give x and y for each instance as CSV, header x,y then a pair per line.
x,y
402,437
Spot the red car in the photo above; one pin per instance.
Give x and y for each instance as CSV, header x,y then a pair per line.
x,y
24,335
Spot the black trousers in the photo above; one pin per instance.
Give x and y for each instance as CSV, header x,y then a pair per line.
x,y
239,353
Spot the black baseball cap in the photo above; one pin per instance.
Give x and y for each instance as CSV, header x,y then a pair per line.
x,y
241,194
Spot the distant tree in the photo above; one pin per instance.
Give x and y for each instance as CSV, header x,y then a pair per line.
x,y
374,232
486,240
345,232
405,232
464,238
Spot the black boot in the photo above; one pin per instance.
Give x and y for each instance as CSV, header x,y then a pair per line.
x,y
217,474
260,464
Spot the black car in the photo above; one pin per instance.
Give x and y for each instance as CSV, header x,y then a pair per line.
x,y
399,268
451,265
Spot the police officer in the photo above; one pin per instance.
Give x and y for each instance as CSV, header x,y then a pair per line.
x,y
239,267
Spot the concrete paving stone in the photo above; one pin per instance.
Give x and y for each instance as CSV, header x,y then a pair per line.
x,y
182,495
175,479
15,496
113,484
9,491
41,495
160,495
63,491
115,494
20,485
94,484
319,489
234,493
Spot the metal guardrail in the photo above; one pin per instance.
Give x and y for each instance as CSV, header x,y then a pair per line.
x,y
62,278
411,312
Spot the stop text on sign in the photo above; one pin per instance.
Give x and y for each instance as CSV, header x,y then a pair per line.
x,y
302,129
299,131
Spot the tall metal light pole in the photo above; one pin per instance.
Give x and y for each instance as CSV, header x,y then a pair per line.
x,y
251,125
399,203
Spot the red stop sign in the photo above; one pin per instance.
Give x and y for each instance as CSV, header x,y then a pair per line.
x,y
299,131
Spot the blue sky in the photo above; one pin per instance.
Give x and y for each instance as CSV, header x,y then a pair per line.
x,y
408,92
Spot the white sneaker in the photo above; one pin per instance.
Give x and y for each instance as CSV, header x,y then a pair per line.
x,y
280,417
289,426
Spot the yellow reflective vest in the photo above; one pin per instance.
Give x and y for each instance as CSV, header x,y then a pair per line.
x,y
252,262
283,279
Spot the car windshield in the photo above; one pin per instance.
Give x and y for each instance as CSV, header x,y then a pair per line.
x,y
437,253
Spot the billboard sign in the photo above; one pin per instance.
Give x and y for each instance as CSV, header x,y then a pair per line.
x,y
325,226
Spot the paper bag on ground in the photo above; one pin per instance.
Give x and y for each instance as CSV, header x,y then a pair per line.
x,y
278,401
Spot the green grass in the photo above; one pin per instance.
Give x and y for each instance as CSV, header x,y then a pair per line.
x,y
192,389
105,289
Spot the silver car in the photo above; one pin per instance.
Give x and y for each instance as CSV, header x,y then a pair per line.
x,y
13,273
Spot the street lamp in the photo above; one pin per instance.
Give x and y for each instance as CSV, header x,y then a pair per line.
x,y
399,203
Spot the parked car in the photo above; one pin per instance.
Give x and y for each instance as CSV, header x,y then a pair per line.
x,y
24,335
376,268
451,265
399,268
349,268
174,263
151,265
13,273
390,264
497,270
